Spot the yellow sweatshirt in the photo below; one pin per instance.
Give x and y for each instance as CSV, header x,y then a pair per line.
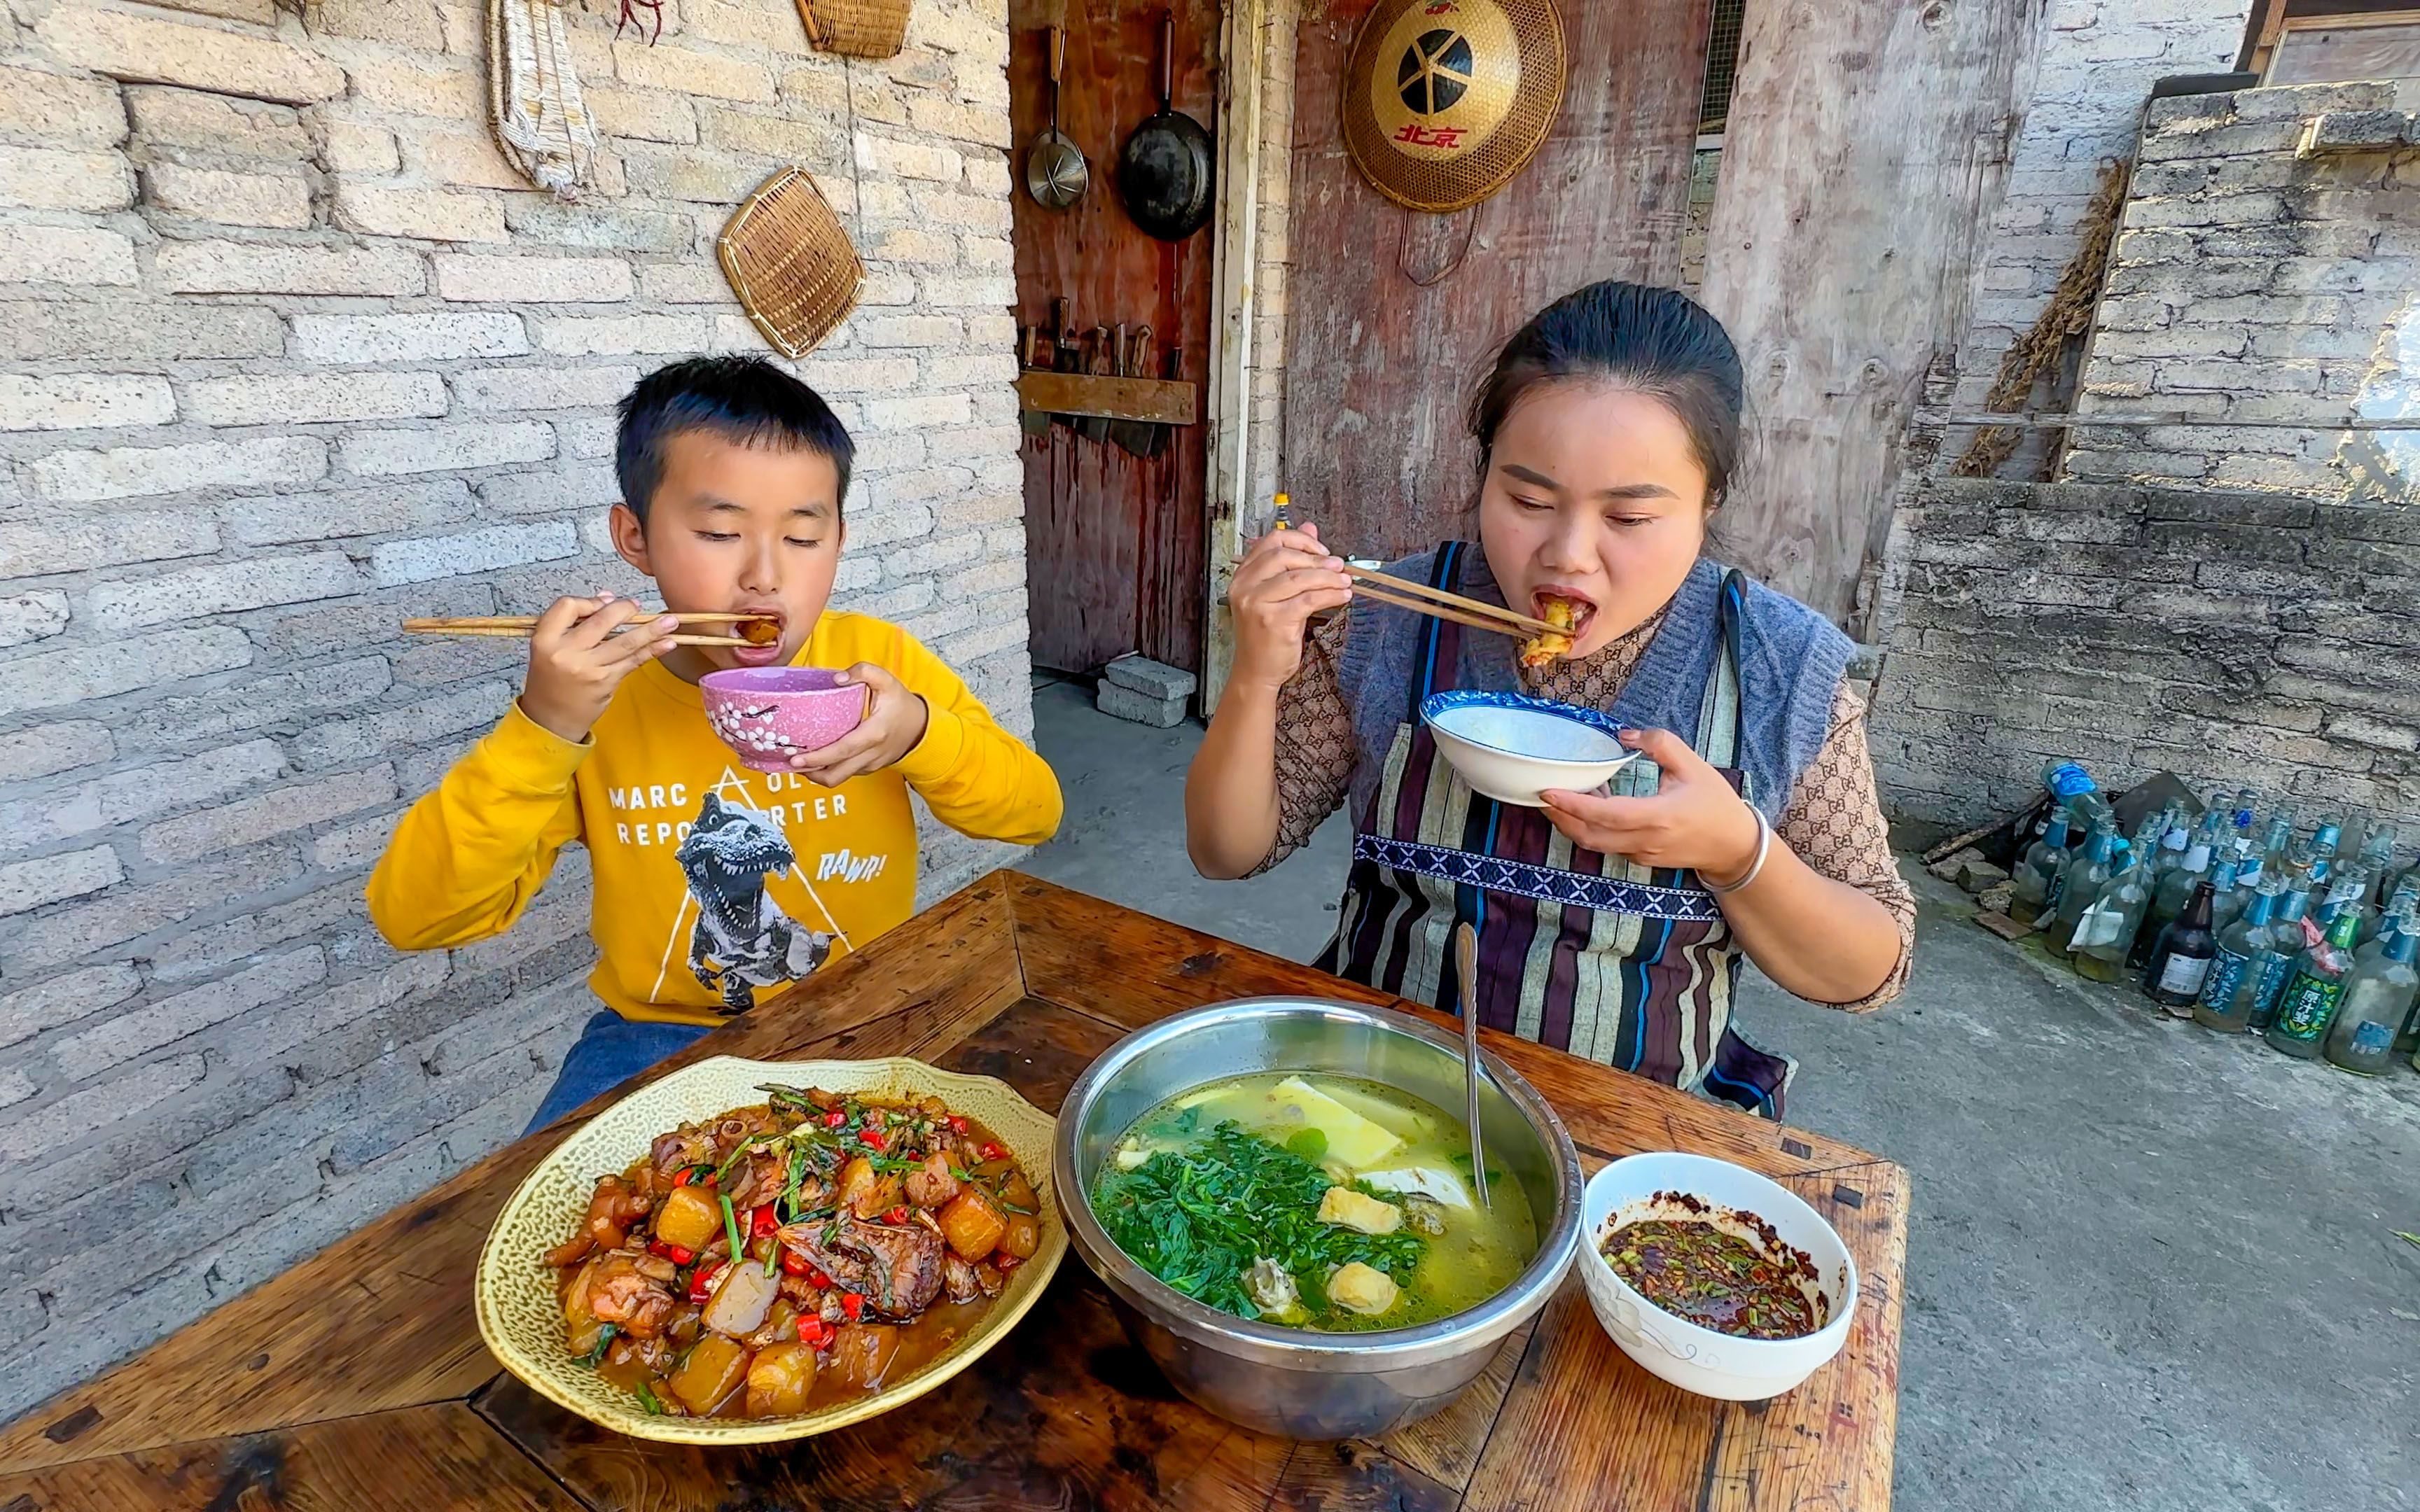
x,y
715,886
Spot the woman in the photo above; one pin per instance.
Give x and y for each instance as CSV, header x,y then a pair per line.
x,y
1610,926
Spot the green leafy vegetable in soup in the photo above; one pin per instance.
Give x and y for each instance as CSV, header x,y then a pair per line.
x,y
1320,1202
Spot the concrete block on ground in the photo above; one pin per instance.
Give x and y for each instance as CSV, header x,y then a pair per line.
x,y
1976,876
1947,868
1156,679
1127,703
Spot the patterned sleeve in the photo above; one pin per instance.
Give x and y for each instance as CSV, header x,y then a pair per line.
x,y
1314,743
1834,825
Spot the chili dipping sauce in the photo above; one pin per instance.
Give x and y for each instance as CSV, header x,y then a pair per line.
x,y
1709,1277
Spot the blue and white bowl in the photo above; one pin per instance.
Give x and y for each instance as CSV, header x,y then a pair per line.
x,y
1512,748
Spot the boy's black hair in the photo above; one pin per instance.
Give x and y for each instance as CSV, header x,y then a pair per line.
x,y
746,400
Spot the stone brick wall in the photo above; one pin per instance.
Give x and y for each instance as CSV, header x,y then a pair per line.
x,y
2250,283
2229,637
286,354
2095,63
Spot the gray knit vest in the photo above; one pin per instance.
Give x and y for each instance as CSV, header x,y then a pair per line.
x,y
1791,660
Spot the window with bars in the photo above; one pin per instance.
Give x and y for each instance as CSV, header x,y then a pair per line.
x,y
1722,61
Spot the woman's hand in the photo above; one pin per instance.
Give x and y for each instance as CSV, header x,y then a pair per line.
x,y
1695,820
1285,578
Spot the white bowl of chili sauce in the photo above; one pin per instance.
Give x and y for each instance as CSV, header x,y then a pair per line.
x,y
1803,1274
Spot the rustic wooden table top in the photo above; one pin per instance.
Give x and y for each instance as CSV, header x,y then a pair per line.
x,y
357,1381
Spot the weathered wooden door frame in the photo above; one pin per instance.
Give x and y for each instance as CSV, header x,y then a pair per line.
x,y
1242,53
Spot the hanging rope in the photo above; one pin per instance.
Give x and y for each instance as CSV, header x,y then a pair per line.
x,y
2064,322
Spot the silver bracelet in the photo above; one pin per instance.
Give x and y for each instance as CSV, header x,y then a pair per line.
x,y
1764,848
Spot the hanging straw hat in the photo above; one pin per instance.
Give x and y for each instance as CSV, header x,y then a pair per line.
x,y
1445,100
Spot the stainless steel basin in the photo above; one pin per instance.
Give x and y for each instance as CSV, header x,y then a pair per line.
x,y
1287,1381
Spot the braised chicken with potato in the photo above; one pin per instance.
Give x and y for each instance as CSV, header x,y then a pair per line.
x,y
787,1255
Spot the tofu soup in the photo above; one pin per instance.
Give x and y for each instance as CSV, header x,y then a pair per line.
x,y
1312,1201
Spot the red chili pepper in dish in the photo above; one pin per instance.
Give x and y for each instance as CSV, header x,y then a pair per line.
x,y
794,1264
700,1286
896,1215
874,1138
853,1305
957,1124
815,1332
815,1277
836,1118
684,1176
991,1150
1005,1262
763,1222
679,1255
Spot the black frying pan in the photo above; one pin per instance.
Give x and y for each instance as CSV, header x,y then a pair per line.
x,y
1164,170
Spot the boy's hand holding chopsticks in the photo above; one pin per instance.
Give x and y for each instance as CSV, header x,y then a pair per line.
x,y
576,660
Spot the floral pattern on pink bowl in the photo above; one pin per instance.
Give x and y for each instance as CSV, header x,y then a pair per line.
x,y
770,713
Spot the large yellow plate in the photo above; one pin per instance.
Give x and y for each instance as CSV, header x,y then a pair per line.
x,y
522,1323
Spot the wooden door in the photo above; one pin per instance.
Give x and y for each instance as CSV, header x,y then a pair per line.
x,y
1393,315
1114,543
1865,142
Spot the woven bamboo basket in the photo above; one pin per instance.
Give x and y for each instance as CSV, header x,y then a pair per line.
x,y
789,260
856,28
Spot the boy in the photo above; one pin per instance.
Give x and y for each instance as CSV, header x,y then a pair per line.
x,y
715,885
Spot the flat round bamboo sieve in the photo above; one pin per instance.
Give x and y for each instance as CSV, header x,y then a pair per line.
x,y
856,28
789,260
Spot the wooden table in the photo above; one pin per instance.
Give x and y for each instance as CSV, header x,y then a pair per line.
x,y
357,1379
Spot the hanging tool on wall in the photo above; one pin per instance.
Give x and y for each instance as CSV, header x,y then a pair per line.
x,y
1056,174
1164,172
1133,435
1099,356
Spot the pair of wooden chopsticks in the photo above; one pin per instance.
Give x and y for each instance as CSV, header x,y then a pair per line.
x,y
1422,600
517,626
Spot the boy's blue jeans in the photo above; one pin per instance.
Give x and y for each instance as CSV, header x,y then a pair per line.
x,y
611,1050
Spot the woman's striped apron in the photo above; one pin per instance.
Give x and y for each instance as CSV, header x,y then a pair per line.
x,y
1626,965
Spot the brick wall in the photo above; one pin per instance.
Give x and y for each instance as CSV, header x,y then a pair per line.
x,y
286,354
2095,63
2231,637
2250,283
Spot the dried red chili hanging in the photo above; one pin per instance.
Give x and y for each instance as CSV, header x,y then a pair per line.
x,y
630,8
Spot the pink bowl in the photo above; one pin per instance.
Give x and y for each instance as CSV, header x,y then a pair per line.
x,y
770,713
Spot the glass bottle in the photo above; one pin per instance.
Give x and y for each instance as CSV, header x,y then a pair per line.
x,y
2227,995
2277,850
2079,884
2030,886
2226,900
2107,930
2378,998
2182,964
2176,889
2316,858
2279,952
2310,1001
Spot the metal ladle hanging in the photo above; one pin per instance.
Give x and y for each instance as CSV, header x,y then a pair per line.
x,y
1056,174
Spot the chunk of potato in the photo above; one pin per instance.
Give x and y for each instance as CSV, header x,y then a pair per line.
x,y
742,1299
689,1218
712,1371
1022,1235
867,1192
779,1380
863,1352
1351,1209
972,1225
1362,1289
